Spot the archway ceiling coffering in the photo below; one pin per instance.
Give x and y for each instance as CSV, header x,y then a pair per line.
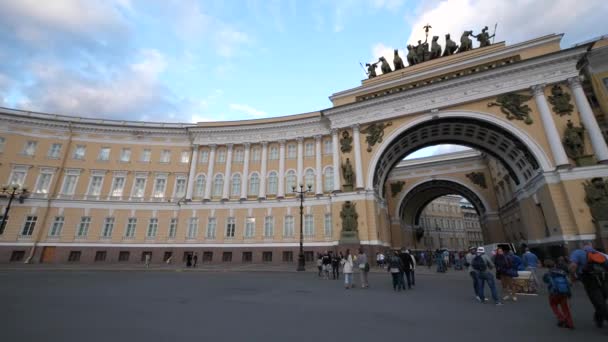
x,y
484,136
419,197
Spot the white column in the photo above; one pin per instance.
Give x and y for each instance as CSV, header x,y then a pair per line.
x,y
318,178
335,159
281,192
245,177
300,169
193,161
263,171
555,143
589,122
358,166
228,173
209,180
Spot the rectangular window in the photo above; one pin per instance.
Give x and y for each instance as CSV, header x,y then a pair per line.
x,y
287,256
79,152
204,157
131,225
309,149
17,256
2,142
274,153
288,229
249,227
29,225
230,227
268,227
108,227
69,184
165,156
227,257
192,228
327,226
172,228
54,151
104,154
152,228
125,155
159,187
239,156
167,256
139,187
118,185
247,257
29,149
291,151
95,186
43,184
309,228
207,256
18,176
327,146
145,255
100,256
146,155
124,256
221,156
267,256
184,157
74,256
57,226
180,187
211,225
256,154
83,227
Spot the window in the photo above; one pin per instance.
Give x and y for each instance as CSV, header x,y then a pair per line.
x,y
255,154
193,228
2,141
74,256
309,227
180,187
274,153
207,256
287,256
221,156
291,151
290,181
18,176
184,157
152,228
43,183
199,186
288,230
95,186
239,156
146,156
159,187
327,146
211,225
328,181
249,227
79,152
247,257
227,257
327,226
54,151
108,227
254,185
309,178
218,185
204,157
29,225
100,256
273,183
236,185
139,187
230,227
268,227
165,156
309,149
104,154
124,256
118,184
30,148
146,255
56,226
69,183
167,256
131,225
172,228
17,256
83,227
125,155
267,256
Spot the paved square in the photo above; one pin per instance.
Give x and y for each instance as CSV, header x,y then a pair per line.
x,y
165,305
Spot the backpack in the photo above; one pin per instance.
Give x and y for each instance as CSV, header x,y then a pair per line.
x,y
559,284
479,264
596,262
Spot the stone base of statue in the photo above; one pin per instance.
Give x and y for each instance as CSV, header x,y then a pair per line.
x,y
349,238
585,160
347,187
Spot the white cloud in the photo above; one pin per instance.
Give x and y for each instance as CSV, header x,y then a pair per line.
x,y
387,4
436,150
252,112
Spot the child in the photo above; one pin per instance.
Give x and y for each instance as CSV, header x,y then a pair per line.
x,y
558,287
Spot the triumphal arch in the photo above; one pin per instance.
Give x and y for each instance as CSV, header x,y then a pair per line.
x,y
122,191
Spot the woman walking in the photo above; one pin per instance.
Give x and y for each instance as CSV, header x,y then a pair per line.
x,y
363,267
395,267
347,269
505,272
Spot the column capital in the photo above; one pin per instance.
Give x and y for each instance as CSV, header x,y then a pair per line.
x,y
264,143
318,137
538,89
299,139
355,127
574,81
213,146
282,142
334,130
247,145
229,146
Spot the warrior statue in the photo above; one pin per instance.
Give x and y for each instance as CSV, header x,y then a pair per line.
x,y
412,58
450,46
596,196
397,61
422,51
484,37
466,43
348,174
349,217
435,48
385,67
371,69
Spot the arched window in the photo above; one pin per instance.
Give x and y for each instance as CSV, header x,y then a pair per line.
x,y
236,185
328,182
218,185
309,179
199,186
273,183
254,185
290,181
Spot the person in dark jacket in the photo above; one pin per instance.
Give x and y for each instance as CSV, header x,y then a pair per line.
x,y
505,271
395,267
408,265
335,266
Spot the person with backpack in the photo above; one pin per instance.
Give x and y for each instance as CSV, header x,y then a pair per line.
x,y
505,272
559,291
591,268
468,260
407,265
395,268
482,264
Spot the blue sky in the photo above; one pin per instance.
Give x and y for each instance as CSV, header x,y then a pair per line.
x,y
190,61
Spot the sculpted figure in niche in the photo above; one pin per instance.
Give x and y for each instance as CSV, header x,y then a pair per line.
x,y
348,174
412,58
349,217
483,38
450,46
574,142
397,61
435,48
346,142
466,43
385,67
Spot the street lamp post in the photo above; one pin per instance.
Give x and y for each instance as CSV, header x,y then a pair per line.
x,y
301,195
11,191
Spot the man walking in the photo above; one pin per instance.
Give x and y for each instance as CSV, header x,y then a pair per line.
x,y
468,263
407,266
482,264
531,264
591,268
